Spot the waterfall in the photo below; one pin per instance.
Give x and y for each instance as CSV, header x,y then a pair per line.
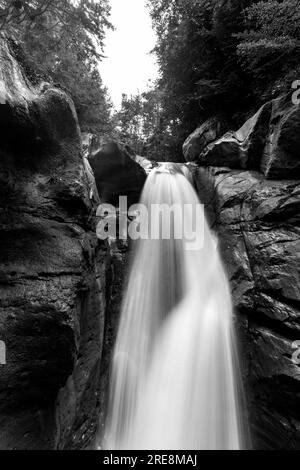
x,y
175,382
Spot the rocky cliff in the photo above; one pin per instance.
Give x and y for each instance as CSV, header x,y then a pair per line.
x,y
257,219
115,169
53,270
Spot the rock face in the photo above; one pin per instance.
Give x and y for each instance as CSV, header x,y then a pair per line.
x,y
204,135
117,173
268,142
120,262
52,271
147,165
281,157
241,149
258,225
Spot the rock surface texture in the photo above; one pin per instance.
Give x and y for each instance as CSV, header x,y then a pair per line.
x,y
204,135
268,142
117,173
281,157
258,222
53,270
240,149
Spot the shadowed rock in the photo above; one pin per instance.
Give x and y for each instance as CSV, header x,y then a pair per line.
x,y
147,165
281,157
204,135
268,142
117,173
241,149
52,270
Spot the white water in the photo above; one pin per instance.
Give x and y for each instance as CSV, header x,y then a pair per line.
x,y
174,383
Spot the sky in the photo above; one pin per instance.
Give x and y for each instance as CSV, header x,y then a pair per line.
x,y
129,65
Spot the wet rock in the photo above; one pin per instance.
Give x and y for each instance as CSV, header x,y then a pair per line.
x,y
204,135
258,225
147,165
281,158
240,149
120,262
52,270
268,142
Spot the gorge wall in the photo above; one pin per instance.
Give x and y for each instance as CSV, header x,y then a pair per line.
x,y
257,219
53,270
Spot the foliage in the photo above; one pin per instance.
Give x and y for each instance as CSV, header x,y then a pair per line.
x,y
130,122
63,43
200,73
220,58
269,48
140,124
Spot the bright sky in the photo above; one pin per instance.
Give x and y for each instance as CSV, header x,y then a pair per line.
x,y
128,65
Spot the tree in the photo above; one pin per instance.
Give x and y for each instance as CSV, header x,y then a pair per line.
x,y
222,58
88,15
63,43
140,123
129,122
269,48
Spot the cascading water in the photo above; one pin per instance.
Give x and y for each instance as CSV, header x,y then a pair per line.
x,y
174,382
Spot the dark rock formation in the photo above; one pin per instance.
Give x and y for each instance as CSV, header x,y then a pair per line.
x,y
119,251
147,165
117,173
241,149
52,271
258,225
281,158
204,135
268,142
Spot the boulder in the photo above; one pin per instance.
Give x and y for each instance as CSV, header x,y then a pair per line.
x,y
117,173
281,156
204,135
147,165
53,270
241,149
257,221
268,142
